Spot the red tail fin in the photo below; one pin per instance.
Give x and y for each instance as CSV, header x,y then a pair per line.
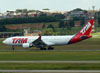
x,y
84,32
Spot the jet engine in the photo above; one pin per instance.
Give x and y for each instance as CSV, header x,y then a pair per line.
x,y
26,45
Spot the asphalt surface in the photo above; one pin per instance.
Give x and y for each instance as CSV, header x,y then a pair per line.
x,y
49,61
53,71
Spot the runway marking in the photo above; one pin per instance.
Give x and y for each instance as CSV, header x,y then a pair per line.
x,y
49,61
54,71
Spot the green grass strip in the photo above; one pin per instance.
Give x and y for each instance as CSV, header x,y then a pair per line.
x,y
51,55
48,66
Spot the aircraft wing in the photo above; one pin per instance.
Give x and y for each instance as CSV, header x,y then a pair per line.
x,y
39,43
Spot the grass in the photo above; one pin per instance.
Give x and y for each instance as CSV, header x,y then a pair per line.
x,y
49,66
96,35
51,55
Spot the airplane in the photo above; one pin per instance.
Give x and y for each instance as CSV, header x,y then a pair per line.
x,y
48,41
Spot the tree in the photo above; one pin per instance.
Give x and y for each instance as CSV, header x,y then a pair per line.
x,y
99,21
31,10
61,24
2,28
59,16
77,9
82,22
43,26
51,26
21,20
47,31
71,22
46,9
18,10
24,10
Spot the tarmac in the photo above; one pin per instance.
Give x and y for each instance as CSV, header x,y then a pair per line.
x,y
49,61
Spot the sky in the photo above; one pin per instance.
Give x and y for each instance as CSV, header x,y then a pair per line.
x,y
53,5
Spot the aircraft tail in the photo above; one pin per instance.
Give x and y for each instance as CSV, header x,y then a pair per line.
x,y
84,32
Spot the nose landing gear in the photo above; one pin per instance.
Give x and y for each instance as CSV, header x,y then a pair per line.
x,y
13,48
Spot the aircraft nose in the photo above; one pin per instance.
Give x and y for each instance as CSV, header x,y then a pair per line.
x,y
4,42
7,41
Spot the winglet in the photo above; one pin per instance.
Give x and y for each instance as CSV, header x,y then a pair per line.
x,y
39,36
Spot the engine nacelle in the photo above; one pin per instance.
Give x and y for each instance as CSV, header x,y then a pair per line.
x,y
26,45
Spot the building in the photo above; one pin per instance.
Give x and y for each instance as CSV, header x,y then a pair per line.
x,y
1,15
77,23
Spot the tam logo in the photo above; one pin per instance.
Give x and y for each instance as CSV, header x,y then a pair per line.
x,y
19,40
85,28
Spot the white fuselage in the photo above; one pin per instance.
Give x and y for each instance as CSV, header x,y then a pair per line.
x,y
49,40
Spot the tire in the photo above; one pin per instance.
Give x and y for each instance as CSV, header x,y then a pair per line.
x,y
42,48
50,48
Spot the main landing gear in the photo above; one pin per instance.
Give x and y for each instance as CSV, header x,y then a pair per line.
x,y
42,48
13,48
49,48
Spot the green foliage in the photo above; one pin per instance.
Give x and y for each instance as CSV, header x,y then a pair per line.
x,y
76,18
77,9
18,10
47,31
49,66
51,26
59,16
70,24
31,10
2,28
24,10
61,24
98,21
82,22
28,20
50,55
43,26
21,10
46,9
66,24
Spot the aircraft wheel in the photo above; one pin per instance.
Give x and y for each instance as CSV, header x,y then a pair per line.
x,y
13,48
50,48
42,48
